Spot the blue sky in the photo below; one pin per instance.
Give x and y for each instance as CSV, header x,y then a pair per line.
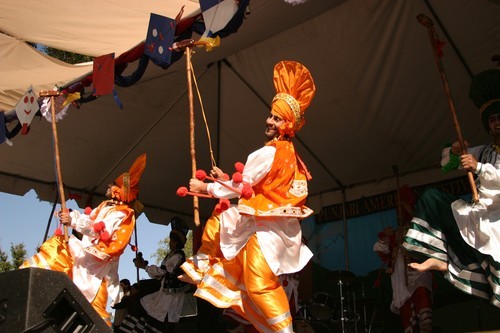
x,y
23,219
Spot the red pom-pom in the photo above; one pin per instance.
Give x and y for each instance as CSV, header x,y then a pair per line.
x,y
201,175
247,191
133,247
99,226
285,283
105,236
239,167
218,209
225,176
58,232
87,210
182,191
237,177
224,204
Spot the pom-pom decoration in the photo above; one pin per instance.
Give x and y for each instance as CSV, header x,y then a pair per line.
x,y
183,191
224,204
239,167
58,232
105,236
218,209
87,210
247,191
133,247
237,177
99,226
200,175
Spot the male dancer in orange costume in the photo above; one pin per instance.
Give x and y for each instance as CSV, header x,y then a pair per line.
x,y
245,248
106,230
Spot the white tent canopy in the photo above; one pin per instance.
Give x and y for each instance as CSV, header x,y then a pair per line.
x,y
379,103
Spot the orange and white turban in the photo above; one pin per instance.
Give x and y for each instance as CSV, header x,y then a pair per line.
x,y
127,184
295,90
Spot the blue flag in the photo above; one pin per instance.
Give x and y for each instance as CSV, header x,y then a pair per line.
x,y
161,33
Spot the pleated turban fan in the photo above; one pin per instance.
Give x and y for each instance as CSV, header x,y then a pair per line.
x,y
485,94
295,90
127,184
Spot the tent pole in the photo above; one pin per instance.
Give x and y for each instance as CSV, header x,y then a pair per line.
x,y
219,85
344,220
50,217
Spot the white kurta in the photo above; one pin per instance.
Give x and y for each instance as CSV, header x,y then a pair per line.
x,y
88,270
400,291
161,303
280,238
479,223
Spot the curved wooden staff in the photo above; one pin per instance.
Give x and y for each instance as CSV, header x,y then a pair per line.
x,y
52,94
435,43
208,43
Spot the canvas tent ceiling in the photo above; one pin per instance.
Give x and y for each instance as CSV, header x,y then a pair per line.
x,y
379,103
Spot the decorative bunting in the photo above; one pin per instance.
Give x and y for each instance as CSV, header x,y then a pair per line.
x,y
26,109
159,40
104,75
216,14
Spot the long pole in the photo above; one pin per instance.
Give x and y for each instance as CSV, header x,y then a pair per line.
x,y
196,210
400,234
52,95
427,22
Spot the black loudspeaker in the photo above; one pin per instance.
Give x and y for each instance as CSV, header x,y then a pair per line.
x,y
41,300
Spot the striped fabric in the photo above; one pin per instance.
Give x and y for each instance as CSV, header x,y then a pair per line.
x,y
132,324
434,234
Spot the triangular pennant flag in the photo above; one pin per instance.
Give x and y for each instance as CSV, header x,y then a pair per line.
x,y
26,109
207,4
161,33
3,129
217,14
103,76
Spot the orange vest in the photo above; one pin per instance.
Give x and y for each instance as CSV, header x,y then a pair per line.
x,y
283,191
112,249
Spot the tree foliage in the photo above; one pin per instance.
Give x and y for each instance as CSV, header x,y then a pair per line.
x,y
18,254
69,57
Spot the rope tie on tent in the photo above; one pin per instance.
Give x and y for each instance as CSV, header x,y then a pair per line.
x,y
207,129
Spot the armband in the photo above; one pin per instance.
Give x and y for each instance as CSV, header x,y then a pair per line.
x,y
479,168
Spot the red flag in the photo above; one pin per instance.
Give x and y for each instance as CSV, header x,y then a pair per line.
x,y
103,78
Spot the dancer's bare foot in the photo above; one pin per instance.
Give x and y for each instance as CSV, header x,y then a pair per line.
x,y
186,278
429,264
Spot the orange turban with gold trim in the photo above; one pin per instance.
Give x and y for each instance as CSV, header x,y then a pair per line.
x,y
295,90
128,182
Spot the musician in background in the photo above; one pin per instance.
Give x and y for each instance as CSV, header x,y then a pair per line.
x,y
411,289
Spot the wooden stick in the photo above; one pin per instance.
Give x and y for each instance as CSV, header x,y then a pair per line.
x,y
196,210
427,22
52,95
